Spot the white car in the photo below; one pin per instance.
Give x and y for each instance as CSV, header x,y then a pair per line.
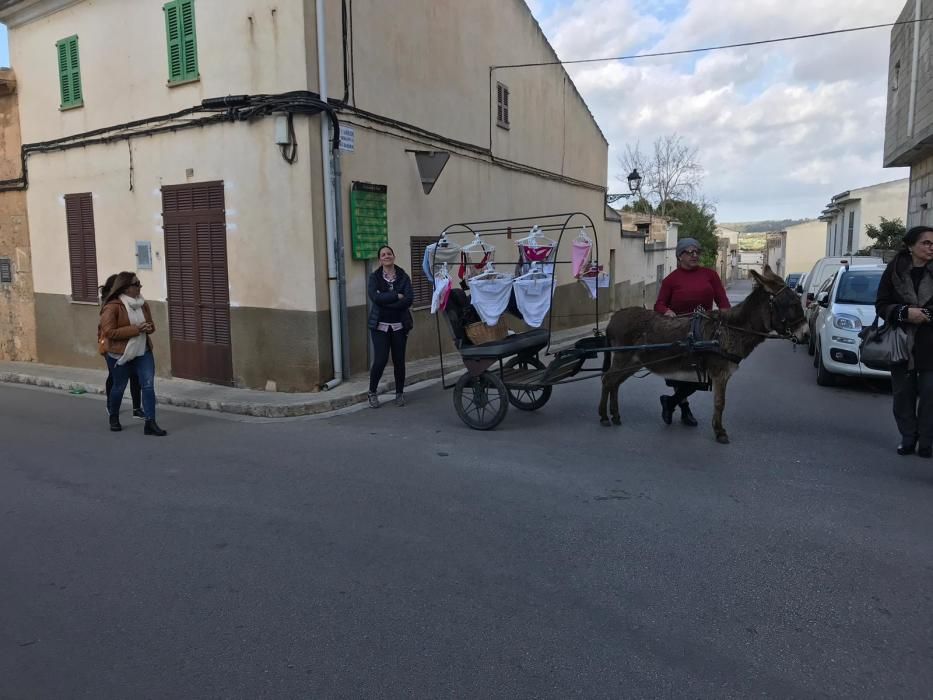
x,y
846,304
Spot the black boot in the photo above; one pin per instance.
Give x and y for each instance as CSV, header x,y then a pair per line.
x,y
152,428
907,446
115,424
925,451
138,413
686,415
667,409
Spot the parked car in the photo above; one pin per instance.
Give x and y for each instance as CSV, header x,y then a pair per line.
x,y
844,305
814,281
824,268
792,279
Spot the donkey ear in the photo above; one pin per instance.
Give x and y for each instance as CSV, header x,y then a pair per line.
x,y
759,280
767,270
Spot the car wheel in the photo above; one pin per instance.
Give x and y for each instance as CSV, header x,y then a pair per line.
x,y
811,346
823,376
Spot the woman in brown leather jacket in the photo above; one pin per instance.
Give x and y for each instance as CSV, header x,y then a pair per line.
x,y
125,327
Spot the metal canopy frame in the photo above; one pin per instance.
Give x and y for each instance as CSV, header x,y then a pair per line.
x,y
520,226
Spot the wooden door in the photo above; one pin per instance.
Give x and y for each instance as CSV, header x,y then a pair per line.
x,y
198,286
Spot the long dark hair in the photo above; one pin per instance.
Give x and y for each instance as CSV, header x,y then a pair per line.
x,y
913,235
105,287
121,282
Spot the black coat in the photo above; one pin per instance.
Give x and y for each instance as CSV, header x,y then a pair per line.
x,y
895,290
382,298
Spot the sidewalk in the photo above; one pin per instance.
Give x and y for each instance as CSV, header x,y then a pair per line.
x,y
250,402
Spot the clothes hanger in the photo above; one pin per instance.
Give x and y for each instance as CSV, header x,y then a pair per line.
x,y
478,243
489,273
534,273
535,239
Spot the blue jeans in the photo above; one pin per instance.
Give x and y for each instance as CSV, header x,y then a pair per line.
x,y
144,368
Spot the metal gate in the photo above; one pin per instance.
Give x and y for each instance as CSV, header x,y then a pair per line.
x,y
198,286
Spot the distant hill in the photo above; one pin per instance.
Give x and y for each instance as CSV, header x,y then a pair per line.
x,y
763,226
752,241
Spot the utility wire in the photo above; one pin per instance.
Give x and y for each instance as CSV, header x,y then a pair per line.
x,y
715,48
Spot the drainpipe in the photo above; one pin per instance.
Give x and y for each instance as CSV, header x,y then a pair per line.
x,y
915,66
334,271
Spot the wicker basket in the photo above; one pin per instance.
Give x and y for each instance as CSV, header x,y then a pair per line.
x,y
480,333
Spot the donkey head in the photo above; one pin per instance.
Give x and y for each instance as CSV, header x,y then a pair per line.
x,y
785,313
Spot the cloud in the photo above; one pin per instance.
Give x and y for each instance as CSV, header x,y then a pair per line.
x,y
779,127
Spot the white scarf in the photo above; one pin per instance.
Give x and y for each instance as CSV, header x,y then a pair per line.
x,y
134,346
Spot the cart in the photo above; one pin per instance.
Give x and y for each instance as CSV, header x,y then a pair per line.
x,y
510,371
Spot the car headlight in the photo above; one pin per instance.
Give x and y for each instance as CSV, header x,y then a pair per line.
x,y
847,323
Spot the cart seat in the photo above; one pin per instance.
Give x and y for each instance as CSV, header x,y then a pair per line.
x,y
528,342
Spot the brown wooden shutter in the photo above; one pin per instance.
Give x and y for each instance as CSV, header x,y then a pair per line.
x,y
82,248
421,286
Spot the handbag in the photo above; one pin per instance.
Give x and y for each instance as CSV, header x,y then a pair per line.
x,y
884,347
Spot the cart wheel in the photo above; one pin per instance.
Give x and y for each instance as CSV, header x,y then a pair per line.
x,y
482,401
528,399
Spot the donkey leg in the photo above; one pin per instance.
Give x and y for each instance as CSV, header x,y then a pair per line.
x,y
614,404
719,405
603,400
610,380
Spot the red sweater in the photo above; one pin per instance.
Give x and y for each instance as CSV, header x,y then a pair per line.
x,y
684,290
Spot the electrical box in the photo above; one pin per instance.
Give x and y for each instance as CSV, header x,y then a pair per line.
x,y
282,137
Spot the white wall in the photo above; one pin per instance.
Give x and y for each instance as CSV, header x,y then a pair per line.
x,y
265,244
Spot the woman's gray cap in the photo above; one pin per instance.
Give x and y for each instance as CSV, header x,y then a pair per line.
x,y
685,243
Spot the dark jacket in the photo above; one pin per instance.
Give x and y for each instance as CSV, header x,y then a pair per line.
x,y
896,290
383,300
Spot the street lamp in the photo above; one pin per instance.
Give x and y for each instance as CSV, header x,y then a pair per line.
x,y
634,186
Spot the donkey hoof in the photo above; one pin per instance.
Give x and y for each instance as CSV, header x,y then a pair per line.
x,y
722,439
604,422
617,420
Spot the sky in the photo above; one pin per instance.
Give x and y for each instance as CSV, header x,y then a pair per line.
x,y
779,128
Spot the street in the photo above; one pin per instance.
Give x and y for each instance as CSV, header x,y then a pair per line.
x,y
396,553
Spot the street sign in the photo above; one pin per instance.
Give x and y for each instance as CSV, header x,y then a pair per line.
x,y
347,141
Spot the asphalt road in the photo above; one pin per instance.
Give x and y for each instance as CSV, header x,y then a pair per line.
x,y
396,553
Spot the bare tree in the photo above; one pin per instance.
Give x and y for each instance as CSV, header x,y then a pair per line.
x,y
670,171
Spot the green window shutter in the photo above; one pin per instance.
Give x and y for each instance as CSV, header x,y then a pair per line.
x,y
189,38
69,73
182,41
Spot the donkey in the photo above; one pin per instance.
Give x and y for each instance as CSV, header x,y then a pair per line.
x,y
772,309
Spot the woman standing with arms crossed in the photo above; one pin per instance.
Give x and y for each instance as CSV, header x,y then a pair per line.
x,y
684,290
126,324
905,297
391,294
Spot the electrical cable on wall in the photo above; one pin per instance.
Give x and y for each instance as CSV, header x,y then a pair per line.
x,y
232,108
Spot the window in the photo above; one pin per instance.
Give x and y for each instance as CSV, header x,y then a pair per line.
x,y
182,41
6,271
69,73
896,80
421,285
851,232
82,250
143,255
502,106
859,287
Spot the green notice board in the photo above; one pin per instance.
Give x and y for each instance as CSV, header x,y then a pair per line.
x,y
369,219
